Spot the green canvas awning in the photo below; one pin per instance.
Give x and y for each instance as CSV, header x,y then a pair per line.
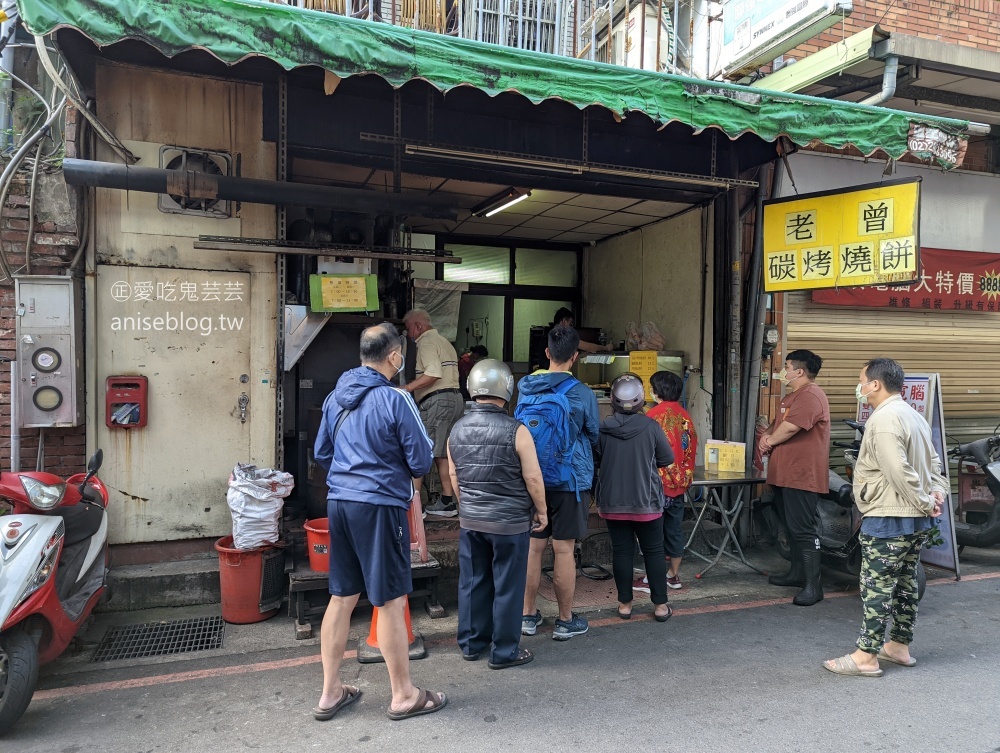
x,y
233,30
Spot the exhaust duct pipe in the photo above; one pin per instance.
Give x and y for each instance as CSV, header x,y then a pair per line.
x,y
198,185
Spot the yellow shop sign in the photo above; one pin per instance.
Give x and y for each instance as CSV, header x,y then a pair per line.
x,y
867,235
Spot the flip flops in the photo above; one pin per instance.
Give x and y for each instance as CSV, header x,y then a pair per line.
x,y
663,617
892,659
845,665
437,700
351,694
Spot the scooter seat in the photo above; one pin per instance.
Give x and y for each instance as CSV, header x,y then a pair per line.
x,y
82,521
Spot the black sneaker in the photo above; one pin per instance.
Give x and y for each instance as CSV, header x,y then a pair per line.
x,y
441,509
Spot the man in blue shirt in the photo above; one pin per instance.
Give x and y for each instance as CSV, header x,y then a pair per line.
x,y
567,502
372,443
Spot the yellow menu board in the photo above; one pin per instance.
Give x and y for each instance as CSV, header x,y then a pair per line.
x,y
867,235
642,363
343,292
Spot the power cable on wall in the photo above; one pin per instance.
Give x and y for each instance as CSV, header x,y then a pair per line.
x,y
120,149
886,12
31,208
51,160
7,177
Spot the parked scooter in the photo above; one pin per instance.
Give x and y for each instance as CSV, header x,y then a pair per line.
x,y
53,570
839,521
981,528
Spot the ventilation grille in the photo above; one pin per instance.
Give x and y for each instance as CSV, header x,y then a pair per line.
x,y
199,161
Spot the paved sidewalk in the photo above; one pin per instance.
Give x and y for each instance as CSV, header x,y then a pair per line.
x,y
728,583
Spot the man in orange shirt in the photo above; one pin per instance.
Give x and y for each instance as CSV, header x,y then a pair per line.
x,y
799,469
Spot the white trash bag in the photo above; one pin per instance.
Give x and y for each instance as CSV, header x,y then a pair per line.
x,y
255,499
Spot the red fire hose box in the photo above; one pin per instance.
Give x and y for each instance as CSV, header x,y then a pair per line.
x,y
126,402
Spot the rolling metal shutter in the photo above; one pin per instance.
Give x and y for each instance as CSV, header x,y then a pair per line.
x,y
961,346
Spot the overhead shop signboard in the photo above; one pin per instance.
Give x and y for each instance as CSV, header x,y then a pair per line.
x,y
866,235
948,281
755,32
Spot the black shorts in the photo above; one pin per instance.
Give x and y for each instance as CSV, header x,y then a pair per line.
x,y
567,516
369,551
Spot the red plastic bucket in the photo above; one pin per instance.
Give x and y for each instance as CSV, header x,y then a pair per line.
x,y
318,544
240,578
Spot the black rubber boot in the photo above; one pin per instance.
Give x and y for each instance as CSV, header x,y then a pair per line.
x,y
813,591
795,576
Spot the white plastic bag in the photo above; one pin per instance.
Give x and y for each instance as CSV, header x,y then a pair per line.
x,y
255,499
643,337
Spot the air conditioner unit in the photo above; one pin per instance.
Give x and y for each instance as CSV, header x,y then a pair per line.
x,y
196,160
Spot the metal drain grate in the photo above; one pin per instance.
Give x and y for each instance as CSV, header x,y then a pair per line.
x,y
161,638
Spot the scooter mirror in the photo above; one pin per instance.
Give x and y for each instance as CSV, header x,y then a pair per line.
x,y
95,461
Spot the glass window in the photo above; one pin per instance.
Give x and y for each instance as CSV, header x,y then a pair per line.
x,y
535,266
479,264
528,314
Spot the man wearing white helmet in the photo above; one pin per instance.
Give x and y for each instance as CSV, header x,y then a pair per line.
x,y
495,473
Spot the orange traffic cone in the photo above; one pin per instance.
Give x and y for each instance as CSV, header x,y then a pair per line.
x,y
368,650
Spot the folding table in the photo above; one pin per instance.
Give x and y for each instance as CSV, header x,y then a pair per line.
x,y
724,494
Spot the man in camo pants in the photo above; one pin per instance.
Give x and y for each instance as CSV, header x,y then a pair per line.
x,y
898,488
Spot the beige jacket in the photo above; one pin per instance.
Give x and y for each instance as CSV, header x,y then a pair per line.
x,y
897,466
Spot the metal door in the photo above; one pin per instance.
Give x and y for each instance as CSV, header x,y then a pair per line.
x,y
188,331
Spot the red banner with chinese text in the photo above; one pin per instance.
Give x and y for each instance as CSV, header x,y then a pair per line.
x,y
949,281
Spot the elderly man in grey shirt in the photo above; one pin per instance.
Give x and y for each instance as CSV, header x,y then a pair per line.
x,y
898,487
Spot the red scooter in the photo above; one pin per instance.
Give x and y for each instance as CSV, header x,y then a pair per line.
x,y
53,570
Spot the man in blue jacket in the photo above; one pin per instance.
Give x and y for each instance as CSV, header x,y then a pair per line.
x,y
568,501
373,444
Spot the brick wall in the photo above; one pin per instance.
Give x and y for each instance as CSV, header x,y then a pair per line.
x,y
970,23
53,248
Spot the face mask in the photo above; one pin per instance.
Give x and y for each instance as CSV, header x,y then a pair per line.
x,y
402,362
783,376
862,398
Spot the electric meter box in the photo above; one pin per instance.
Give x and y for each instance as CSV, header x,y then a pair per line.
x,y
49,330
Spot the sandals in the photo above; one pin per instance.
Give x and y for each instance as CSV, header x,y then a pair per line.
x,y
523,657
664,617
845,665
437,700
885,657
351,694
624,615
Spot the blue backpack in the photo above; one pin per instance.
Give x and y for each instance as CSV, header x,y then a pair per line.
x,y
547,416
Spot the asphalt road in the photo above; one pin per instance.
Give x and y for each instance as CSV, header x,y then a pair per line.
x,y
724,678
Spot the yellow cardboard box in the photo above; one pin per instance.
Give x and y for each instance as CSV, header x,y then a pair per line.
x,y
725,457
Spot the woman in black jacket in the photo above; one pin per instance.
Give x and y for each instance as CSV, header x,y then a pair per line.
x,y
630,492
